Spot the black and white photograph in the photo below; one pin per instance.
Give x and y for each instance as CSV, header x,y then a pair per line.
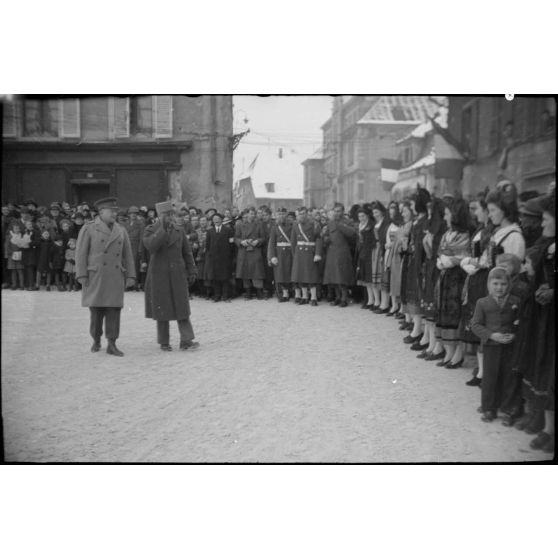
x,y
278,278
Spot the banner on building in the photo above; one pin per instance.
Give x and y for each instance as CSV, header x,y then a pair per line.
x,y
389,172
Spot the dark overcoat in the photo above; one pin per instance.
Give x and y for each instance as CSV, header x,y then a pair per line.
x,y
339,265
219,254
170,264
249,261
105,258
365,245
279,246
305,270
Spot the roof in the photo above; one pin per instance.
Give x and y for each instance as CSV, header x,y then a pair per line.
x,y
393,109
284,172
318,154
426,161
423,129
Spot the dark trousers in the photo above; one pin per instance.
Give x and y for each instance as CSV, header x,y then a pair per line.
x,y
111,316
184,327
29,276
498,378
341,292
221,289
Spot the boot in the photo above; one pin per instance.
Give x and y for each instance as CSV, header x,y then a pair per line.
x,y
537,422
96,347
259,294
248,293
113,350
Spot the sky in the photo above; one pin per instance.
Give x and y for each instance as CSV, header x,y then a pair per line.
x,y
291,122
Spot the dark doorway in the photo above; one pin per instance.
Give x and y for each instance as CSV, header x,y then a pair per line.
x,y
89,192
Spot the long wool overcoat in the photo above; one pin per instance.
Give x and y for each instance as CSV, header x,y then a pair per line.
x,y
249,261
279,246
339,262
170,264
105,257
219,254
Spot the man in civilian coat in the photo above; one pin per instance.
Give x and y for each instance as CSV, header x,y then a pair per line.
x,y
135,228
339,262
171,269
104,268
219,244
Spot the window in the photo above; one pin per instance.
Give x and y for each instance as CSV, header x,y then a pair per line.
x,y
162,116
69,118
270,187
119,117
40,118
8,119
141,116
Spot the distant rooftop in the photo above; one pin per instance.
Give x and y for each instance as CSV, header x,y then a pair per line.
x,y
402,108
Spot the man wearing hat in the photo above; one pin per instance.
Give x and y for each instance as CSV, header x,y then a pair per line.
x,y
219,245
171,269
104,267
55,214
530,220
135,229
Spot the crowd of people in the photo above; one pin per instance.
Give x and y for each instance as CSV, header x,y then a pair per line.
x,y
461,276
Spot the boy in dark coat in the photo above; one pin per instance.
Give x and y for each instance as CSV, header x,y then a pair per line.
x,y
494,323
171,270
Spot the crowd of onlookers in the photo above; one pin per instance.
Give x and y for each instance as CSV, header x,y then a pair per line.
x,y
461,276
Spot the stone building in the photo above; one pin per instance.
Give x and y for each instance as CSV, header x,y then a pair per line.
x,y
315,185
141,149
512,139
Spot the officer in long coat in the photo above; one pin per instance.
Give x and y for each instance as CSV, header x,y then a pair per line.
x,y
280,255
339,261
307,253
104,267
249,236
219,245
171,269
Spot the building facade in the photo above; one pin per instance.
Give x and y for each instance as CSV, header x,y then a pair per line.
x,y
141,149
505,139
361,131
315,185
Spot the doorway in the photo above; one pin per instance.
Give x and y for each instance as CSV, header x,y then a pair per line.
x,y
89,191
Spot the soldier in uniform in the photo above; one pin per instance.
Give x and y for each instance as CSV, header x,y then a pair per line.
x,y
307,252
135,229
339,262
267,224
104,267
249,236
279,254
171,270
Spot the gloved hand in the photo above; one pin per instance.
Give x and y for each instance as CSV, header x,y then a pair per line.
x,y
274,261
130,282
317,258
83,281
191,279
470,269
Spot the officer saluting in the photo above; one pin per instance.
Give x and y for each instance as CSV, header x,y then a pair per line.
x,y
104,267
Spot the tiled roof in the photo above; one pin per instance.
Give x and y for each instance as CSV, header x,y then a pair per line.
x,y
400,108
423,129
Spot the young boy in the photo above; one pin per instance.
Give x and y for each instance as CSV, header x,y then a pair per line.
x,y
494,323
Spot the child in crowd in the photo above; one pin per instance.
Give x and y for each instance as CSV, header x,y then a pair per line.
x,y
29,254
57,261
14,246
519,285
44,250
69,266
494,323
65,232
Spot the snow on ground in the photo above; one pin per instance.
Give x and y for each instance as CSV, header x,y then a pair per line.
x,y
271,383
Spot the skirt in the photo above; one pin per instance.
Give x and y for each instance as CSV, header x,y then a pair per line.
x,y
377,266
448,292
473,289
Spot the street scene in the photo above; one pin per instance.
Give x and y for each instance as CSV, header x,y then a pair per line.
x,y
293,279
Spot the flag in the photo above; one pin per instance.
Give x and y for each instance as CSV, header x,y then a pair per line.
x,y
449,154
253,163
389,172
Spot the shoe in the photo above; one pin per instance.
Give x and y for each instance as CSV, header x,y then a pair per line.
x,y
344,304
442,363
523,422
282,299
313,303
508,420
383,311
189,345
424,355
227,300
540,441
418,347
436,356
113,350
549,446
296,300
454,365
217,299
399,316
48,288
166,348
474,382
479,409
303,301
410,339
335,302
364,306
536,424
409,326
488,416
96,347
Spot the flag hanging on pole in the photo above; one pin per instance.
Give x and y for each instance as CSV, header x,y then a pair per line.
x,y
389,172
253,163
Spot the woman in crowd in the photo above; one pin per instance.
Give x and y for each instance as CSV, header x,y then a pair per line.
x,y
436,228
399,286
380,292
395,221
454,246
365,245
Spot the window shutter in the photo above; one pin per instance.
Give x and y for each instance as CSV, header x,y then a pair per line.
x,y
9,119
121,117
69,118
162,116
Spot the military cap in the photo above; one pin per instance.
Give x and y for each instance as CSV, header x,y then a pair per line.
x,y
163,207
105,203
133,209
